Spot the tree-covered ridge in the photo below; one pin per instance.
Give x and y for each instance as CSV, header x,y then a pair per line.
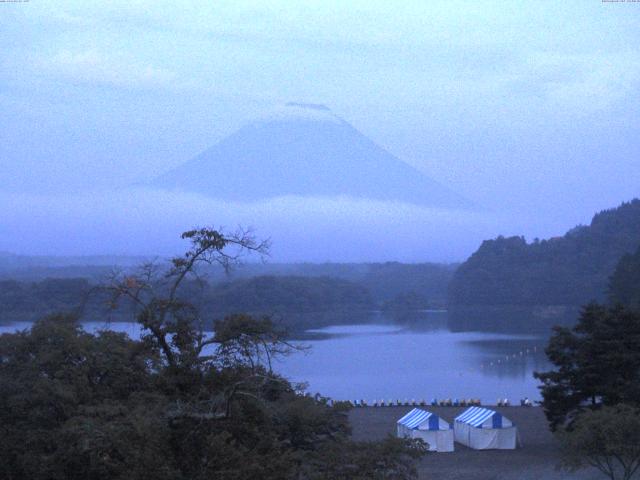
x,y
29,301
302,295
568,270
624,285
281,296
288,294
384,281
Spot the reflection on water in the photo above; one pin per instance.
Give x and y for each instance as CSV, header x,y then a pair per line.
x,y
417,359
367,329
516,357
421,359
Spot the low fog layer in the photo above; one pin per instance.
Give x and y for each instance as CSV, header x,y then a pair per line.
x,y
529,111
145,221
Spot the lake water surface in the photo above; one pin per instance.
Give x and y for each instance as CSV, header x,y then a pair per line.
x,y
421,361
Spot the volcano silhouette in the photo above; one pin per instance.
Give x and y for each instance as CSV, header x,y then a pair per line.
x,y
304,150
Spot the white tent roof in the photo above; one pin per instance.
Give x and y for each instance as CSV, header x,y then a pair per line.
x,y
418,418
478,417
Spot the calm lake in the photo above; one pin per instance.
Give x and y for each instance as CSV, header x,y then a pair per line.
x,y
421,361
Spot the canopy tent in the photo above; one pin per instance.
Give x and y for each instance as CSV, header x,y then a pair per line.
x,y
429,427
483,429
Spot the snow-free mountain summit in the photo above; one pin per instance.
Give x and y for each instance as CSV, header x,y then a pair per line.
x,y
304,150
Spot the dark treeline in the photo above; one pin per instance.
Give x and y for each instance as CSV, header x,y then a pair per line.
x,y
624,286
178,404
599,355
29,301
297,302
592,396
298,296
288,294
544,282
384,281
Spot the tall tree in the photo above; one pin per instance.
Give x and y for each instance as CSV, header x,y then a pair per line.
x,y
179,404
607,439
171,322
597,362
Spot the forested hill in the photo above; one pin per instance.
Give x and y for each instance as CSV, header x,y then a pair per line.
x,y
624,286
542,283
297,302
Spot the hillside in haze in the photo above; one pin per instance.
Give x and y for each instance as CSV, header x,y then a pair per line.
x,y
304,150
624,285
545,282
299,296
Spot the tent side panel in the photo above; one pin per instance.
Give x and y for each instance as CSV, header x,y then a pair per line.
x,y
490,438
444,440
461,433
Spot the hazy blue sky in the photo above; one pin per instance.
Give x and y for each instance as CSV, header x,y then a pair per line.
x,y
529,108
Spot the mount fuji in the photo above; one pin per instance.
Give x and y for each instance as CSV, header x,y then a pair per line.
x,y
304,150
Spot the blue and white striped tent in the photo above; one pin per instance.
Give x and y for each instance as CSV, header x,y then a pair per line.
x,y
478,417
482,429
428,426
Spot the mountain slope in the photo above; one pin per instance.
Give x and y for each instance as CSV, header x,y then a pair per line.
x,y
544,282
304,150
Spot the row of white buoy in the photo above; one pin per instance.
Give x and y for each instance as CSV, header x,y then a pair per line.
x,y
507,358
501,402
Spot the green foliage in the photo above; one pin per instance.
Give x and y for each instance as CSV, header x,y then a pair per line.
x,y
607,439
624,285
250,342
61,391
387,281
383,281
75,405
176,405
405,307
390,459
288,294
570,270
303,295
27,301
597,363
298,302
